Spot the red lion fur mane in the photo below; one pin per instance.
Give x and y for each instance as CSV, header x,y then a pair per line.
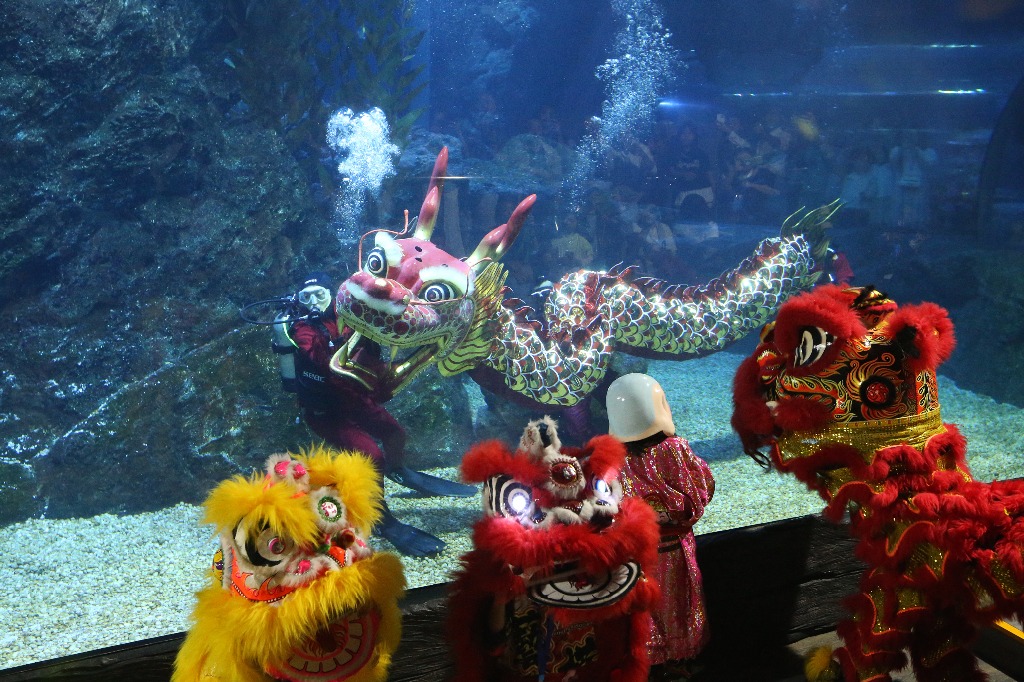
x,y
842,391
507,552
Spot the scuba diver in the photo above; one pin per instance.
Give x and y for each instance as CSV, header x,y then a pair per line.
x,y
345,413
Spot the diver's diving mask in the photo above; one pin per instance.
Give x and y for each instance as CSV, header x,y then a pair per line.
x,y
315,297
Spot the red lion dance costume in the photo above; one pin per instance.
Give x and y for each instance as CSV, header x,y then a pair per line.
x,y
556,587
843,390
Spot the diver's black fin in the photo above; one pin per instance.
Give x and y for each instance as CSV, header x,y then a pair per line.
x,y
430,485
408,540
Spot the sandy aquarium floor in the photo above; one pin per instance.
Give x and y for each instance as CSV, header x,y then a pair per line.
x,y
83,584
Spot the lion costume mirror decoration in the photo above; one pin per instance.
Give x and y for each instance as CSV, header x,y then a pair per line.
x,y
842,390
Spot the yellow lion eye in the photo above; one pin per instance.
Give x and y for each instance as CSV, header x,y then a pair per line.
x,y
271,547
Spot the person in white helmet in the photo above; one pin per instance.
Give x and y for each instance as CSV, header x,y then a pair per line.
x,y
663,470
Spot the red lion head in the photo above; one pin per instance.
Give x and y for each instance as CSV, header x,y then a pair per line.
x,y
841,366
557,542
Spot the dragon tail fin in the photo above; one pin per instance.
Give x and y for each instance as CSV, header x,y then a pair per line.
x,y
813,225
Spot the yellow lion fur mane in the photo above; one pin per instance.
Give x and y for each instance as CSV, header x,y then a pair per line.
x,y
233,639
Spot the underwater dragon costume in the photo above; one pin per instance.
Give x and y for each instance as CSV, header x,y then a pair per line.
x,y
560,582
843,391
413,297
295,592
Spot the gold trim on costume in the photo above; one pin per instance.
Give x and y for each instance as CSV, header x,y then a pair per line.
x,y
865,436
1003,576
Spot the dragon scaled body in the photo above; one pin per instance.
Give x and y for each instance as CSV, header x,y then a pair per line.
x,y
416,299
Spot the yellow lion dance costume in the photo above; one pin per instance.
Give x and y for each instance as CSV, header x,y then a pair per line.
x,y
296,593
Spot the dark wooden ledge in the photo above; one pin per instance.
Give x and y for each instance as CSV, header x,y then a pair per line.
x,y
766,586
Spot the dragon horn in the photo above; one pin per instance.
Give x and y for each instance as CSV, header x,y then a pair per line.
x,y
496,242
432,203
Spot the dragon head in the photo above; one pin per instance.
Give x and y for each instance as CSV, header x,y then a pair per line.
x,y
841,366
418,301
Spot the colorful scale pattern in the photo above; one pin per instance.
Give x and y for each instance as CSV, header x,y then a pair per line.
x,y
593,313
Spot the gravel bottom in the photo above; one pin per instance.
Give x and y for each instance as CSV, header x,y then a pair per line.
x,y
78,585
75,585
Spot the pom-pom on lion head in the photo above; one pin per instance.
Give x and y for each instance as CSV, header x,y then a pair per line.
x,y
841,365
565,477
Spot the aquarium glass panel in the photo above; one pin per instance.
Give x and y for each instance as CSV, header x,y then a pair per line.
x,y
508,203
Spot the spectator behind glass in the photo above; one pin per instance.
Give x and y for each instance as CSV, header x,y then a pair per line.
x,y
911,163
882,208
550,126
808,161
569,250
482,135
858,189
687,169
631,164
657,252
752,186
731,139
764,199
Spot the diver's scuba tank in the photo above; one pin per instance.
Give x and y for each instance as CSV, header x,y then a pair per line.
x,y
285,351
287,310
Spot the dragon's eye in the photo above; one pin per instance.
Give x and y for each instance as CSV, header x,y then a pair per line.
x,y
438,291
814,341
376,262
